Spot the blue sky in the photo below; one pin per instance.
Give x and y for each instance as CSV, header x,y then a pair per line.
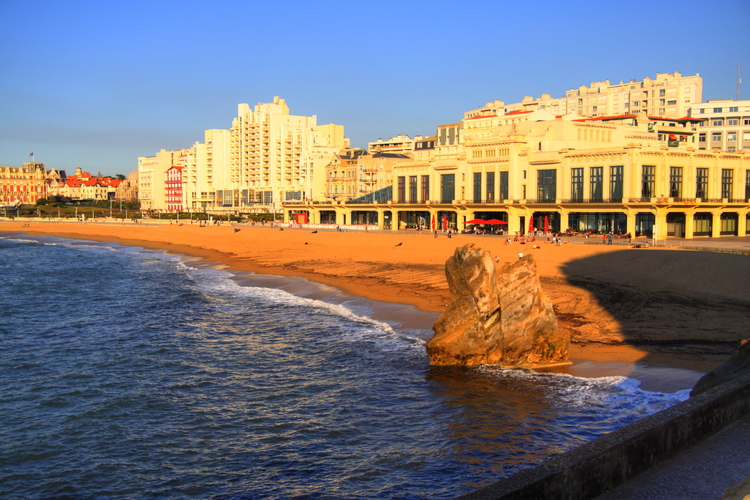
x,y
97,83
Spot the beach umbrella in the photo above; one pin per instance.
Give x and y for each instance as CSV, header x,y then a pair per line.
x,y
531,224
495,222
433,221
445,222
546,224
476,221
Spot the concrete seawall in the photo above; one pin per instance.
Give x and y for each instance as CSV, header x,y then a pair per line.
x,y
600,465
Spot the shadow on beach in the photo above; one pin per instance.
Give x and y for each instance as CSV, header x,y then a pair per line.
x,y
681,308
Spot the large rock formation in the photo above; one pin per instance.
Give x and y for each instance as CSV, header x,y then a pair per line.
x,y
500,318
736,365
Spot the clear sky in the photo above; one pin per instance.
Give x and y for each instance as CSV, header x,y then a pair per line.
x,y
97,83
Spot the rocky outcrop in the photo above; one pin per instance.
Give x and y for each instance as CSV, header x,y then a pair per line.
x,y
496,317
737,364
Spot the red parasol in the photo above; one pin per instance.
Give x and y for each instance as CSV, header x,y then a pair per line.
x,y
476,221
546,224
433,222
445,222
531,224
495,221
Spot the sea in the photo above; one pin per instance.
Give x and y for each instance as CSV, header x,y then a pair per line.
x,y
135,373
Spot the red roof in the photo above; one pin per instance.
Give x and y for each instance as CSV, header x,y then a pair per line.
x,y
518,112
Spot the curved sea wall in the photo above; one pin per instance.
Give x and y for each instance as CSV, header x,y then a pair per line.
x,y
602,464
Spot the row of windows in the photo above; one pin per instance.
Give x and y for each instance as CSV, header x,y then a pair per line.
x,y
547,185
489,153
732,109
731,122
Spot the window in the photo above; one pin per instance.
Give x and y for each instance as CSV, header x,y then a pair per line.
x,y
596,183
447,188
717,110
702,138
615,183
477,187
671,102
401,189
747,185
425,188
717,123
503,185
731,136
733,122
490,186
412,189
547,185
726,182
647,181
734,109
716,137
746,121
701,183
675,182
702,224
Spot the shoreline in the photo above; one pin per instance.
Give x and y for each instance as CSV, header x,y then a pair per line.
x,y
375,267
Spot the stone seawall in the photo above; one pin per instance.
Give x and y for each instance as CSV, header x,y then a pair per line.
x,y
600,465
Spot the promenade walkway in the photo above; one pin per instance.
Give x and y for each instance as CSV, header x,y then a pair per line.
x,y
717,468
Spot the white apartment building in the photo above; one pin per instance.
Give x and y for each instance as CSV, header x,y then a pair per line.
x,y
205,170
669,95
268,157
277,157
400,144
726,125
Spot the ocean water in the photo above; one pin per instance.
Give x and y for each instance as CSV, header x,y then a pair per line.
x,y
129,373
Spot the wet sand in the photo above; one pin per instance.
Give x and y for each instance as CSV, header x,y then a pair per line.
x,y
628,310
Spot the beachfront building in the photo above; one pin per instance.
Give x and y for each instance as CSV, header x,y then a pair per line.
x,y
206,172
341,174
127,191
725,125
268,156
535,170
22,185
152,177
277,157
99,188
669,95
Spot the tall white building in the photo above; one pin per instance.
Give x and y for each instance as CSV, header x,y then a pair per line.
x,y
268,157
726,125
669,95
277,157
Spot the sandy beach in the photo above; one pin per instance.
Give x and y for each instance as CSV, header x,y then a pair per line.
x,y
661,308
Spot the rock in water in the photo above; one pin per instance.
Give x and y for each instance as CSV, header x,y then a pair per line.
x,y
496,317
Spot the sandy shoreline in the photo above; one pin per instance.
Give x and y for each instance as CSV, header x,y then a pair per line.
x,y
665,309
